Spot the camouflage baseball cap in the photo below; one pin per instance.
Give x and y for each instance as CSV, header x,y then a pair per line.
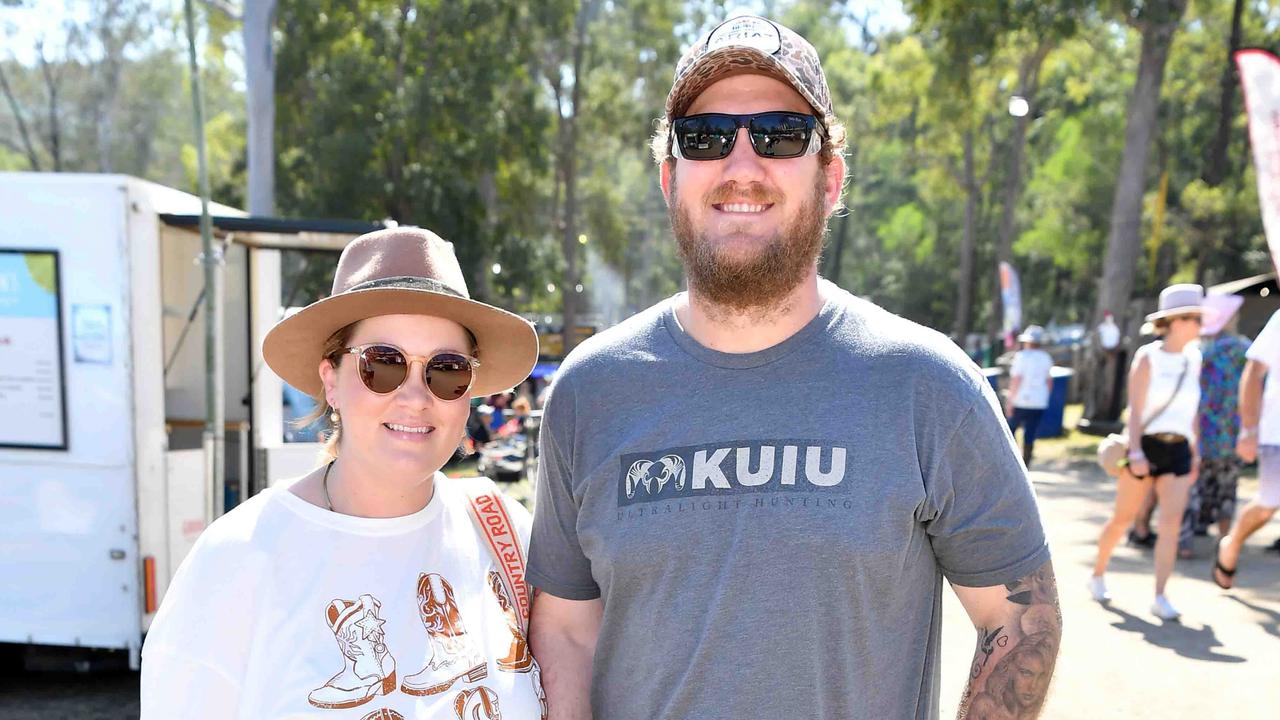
x,y
755,45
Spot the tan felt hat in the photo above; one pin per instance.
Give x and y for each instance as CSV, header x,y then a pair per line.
x,y
401,271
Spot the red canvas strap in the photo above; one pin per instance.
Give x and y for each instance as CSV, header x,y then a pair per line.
x,y
495,526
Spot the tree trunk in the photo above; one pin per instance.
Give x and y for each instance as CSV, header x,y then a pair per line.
x,y
27,147
482,280
55,122
260,76
1124,244
968,241
569,240
398,204
1216,168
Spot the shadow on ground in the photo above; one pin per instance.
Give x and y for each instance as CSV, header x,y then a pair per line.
x,y
1185,641
1271,625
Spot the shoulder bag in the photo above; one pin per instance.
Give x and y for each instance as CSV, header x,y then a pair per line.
x,y
1115,447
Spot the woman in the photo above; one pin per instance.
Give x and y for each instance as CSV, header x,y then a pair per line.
x,y
1164,399
365,584
1213,497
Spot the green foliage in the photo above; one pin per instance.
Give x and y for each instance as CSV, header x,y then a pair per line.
x,y
1060,227
455,115
114,91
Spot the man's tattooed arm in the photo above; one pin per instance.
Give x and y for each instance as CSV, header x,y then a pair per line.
x,y
1019,631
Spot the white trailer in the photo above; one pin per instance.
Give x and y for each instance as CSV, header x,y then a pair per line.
x,y
102,489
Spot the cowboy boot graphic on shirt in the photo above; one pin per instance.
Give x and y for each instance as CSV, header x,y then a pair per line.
x,y
518,658
368,669
453,655
383,714
477,703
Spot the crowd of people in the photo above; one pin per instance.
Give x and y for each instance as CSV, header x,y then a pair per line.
x,y
1197,413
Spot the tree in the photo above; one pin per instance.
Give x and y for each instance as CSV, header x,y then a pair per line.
x,y
1157,21
260,74
410,110
104,93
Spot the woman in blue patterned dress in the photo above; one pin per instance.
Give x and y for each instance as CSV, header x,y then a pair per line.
x,y
1213,497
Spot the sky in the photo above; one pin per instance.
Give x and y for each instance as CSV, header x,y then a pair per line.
x,y
33,21
21,27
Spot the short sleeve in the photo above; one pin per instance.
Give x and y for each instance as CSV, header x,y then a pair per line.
x,y
1266,347
557,564
980,510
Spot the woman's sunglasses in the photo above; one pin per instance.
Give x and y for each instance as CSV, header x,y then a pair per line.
x,y
384,368
710,136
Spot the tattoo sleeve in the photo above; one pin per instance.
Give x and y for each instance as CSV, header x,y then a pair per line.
x,y
1015,657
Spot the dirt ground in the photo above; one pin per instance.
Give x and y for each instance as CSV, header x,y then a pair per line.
x,y
1117,661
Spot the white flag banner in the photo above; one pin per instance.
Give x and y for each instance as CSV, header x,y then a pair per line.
x,y
1011,298
1260,78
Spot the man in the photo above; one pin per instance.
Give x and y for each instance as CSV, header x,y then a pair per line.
x,y
1030,385
1259,439
1108,332
1114,370
749,493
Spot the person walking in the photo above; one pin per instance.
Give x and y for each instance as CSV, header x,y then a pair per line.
x,y
1258,439
1164,400
1213,495
749,494
1030,385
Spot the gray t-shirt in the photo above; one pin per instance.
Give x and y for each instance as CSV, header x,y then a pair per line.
x,y
768,531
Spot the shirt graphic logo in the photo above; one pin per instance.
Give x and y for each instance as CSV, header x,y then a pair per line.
x,y
731,469
655,476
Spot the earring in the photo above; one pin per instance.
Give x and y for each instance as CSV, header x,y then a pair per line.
x,y
334,418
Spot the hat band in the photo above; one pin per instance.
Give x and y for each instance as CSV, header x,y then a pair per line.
x,y
407,282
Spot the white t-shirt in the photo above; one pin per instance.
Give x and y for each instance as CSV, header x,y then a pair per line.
x,y
287,610
1108,335
1266,350
1033,366
1166,367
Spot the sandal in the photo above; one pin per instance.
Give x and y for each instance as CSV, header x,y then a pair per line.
x,y
1218,567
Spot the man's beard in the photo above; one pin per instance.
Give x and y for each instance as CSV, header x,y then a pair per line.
x,y
759,283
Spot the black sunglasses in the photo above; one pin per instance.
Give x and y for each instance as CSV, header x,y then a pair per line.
x,y
383,369
710,136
